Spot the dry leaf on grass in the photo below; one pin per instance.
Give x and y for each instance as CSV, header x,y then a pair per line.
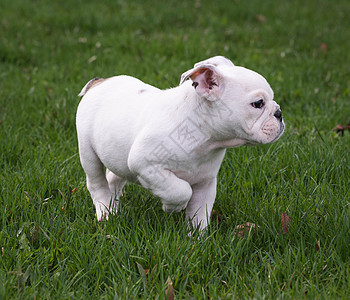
x,y
169,292
324,47
243,229
260,18
215,216
285,223
318,246
340,128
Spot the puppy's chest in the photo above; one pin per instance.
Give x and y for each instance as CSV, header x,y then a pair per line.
x,y
188,164
195,175
183,149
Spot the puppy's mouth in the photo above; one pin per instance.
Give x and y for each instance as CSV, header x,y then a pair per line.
x,y
272,130
280,132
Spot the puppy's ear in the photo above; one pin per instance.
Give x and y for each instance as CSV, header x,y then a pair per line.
x,y
216,61
206,81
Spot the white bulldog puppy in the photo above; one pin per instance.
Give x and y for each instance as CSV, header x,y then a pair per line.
x,y
172,141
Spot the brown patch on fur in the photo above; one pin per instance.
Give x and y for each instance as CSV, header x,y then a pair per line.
x,y
142,91
94,82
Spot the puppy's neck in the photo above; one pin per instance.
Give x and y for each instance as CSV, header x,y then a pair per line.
x,y
209,117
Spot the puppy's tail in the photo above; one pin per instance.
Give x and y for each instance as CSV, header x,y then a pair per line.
x,y
90,84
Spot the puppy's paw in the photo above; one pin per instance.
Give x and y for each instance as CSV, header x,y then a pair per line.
x,y
102,212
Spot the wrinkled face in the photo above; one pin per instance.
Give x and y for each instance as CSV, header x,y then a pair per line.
x,y
252,116
251,99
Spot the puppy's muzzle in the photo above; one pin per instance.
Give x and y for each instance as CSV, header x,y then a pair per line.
x,y
278,115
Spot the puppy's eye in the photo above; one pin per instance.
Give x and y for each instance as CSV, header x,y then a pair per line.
x,y
258,104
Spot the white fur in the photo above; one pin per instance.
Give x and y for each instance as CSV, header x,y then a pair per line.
x,y
171,141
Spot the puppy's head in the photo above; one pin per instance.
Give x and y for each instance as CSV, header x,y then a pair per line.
x,y
254,116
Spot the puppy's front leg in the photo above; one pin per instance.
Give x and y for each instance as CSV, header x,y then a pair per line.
x,y
201,204
173,191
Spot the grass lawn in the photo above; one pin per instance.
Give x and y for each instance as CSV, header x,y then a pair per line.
x,y
52,247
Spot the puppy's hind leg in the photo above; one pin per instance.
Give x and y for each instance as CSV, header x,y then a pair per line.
x,y
115,184
96,182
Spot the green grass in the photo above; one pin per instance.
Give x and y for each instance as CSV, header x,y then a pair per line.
x,y
51,245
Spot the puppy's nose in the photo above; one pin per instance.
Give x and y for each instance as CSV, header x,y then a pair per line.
x,y
278,114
